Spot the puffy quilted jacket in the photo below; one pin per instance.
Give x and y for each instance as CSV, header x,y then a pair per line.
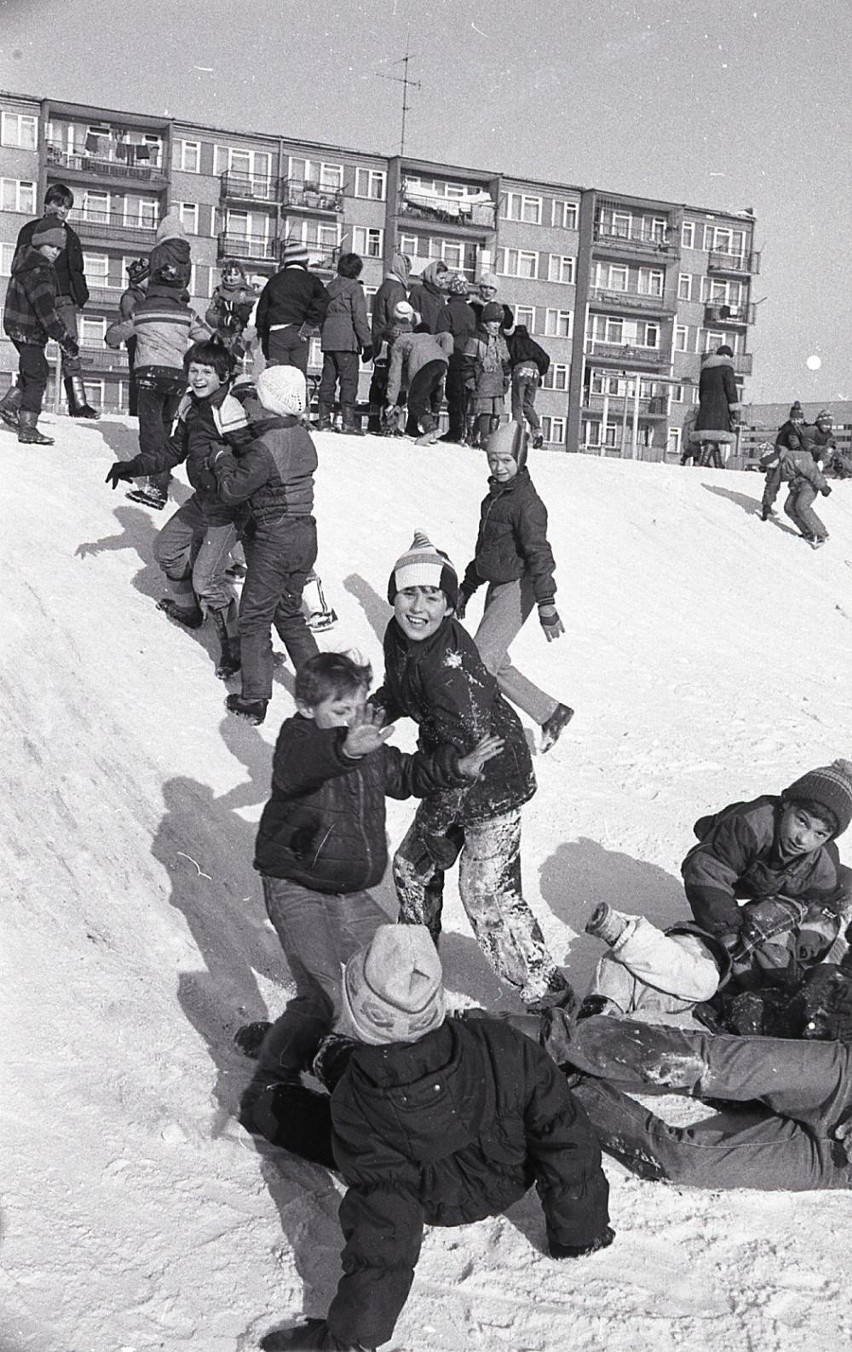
x,y
512,539
274,474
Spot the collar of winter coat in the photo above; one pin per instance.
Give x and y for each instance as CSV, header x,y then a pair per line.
x,y
424,646
497,489
715,360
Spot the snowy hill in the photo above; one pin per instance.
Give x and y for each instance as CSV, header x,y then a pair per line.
x,y
708,657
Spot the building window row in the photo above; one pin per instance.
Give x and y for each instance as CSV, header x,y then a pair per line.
x,y
624,332
618,277
530,209
715,238
527,263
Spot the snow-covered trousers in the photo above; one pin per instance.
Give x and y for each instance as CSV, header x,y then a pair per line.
x,y
508,605
490,891
654,972
194,554
801,513
802,1092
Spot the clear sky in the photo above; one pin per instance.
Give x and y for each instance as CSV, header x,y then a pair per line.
x,y
741,103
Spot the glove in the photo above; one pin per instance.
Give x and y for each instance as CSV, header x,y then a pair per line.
x,y
461,605
550,622
313,1333
70,346
367,352
826,491
121,470
305,332
582,1251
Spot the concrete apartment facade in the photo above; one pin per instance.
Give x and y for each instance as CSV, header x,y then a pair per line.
x,y
624,293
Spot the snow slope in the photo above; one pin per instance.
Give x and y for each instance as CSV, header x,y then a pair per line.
x,y
707,656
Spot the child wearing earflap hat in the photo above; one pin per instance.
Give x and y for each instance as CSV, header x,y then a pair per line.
x,y
487,372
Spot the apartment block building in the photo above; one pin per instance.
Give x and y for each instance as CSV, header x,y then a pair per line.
x,y
624,293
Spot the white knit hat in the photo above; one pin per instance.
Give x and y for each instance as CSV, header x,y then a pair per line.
x,y
393,989
283,389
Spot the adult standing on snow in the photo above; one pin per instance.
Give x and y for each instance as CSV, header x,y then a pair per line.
x,y
292,305
717,403
429,294
393,289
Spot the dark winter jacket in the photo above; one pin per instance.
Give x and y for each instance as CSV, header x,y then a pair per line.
x,y
445,1131
292,296
164,327
70,277
790,435
389,294
512,539
737,859
427,297
442,684
487,365
171,251
524,350
229,311
477,305
458,319
717,398
409,353
345,327
324,825
818,440
274,473
130,300
29,310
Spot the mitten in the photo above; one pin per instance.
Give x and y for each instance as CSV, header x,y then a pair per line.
x,y
582,1250
70,346
550,621
461,604
826,491
122,469
367,352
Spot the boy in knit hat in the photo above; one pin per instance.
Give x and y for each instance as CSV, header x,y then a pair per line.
x,y
418,363
437,1120
30,318
487,372
292,306
513,556
434,675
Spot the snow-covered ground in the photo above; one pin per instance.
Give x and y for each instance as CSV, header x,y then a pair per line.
x,y
708,658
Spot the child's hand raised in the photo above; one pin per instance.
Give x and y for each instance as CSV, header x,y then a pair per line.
x,y
485,750
366,733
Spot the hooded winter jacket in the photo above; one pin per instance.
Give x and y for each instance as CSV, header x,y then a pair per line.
x,y
324,825
523,348
29,310
171,251
427,296
70,277
512,539
442,684
345,327
292,296
717,398
445,1131
274,473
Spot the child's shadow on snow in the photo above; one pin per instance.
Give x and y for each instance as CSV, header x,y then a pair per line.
x,y
751,506
375,607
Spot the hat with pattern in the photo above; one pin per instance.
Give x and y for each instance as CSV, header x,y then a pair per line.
x,y
393,989
828,785
424,566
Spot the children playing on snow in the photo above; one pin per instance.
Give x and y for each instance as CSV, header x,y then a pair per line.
x,y
530,364
434,675
435,1120
193,548
321,845
418,364
795,466
514,558
487,371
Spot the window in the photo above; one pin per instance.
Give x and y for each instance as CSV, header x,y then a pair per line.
x,y
141,212
241,161
189,156
368,241
96,268
92,331
525,314
518,207
17,195
611,276
677,394
621,224
94,391
409,244
96,206
564,215
557,377
369,296
608,329
189,217
557,323
651,281
450,250
681,338
648,335
371,183
315,357
7,253
518,263
687,235
592,434
724,240
673,447
684,286
553,430
712,340
316,172
561,269
19,130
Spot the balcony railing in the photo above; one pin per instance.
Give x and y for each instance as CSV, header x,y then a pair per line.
x,y
113,225
623,354
103,358
322,257
248,187
646,243
106,296
257,248
633,301
748,263
478,212
715,312
308,196
650,406
101,166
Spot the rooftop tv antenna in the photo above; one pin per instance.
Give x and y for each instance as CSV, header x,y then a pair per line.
x,y
406,85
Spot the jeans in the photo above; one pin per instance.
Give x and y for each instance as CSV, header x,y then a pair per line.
x,y
343,367
279,558
456,397
801,1092
798,508
194,555
319,932
525,385
33,371
508,605
284,347
156,411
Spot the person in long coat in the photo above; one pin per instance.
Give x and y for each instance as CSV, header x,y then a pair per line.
x,y
717,401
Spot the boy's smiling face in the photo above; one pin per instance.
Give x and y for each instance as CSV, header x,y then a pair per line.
x,y
503,466
419,611
800,832
203,380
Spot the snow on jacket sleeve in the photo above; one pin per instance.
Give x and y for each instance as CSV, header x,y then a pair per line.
x,y
421,775
712,869
119,332
531,536
565,1154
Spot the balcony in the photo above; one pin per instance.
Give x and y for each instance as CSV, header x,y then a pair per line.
x,y
254,248
104,360
235,187
112,227
737,264
473,215
738,316
322,257
76,165
622,354
304,195
639,242
651,406
632,302
105,297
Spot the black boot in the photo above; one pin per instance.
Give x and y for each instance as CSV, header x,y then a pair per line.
x,y
28,431
76,395
190,617
10,405
229,657
348,423
323,422
253,710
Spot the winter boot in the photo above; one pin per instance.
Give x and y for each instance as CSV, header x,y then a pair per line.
x,y
320,614
190,617
607,924
226,629
28,431
348,423
76,395
554,726
9,406
323,422
253,710
250,1037
428,437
